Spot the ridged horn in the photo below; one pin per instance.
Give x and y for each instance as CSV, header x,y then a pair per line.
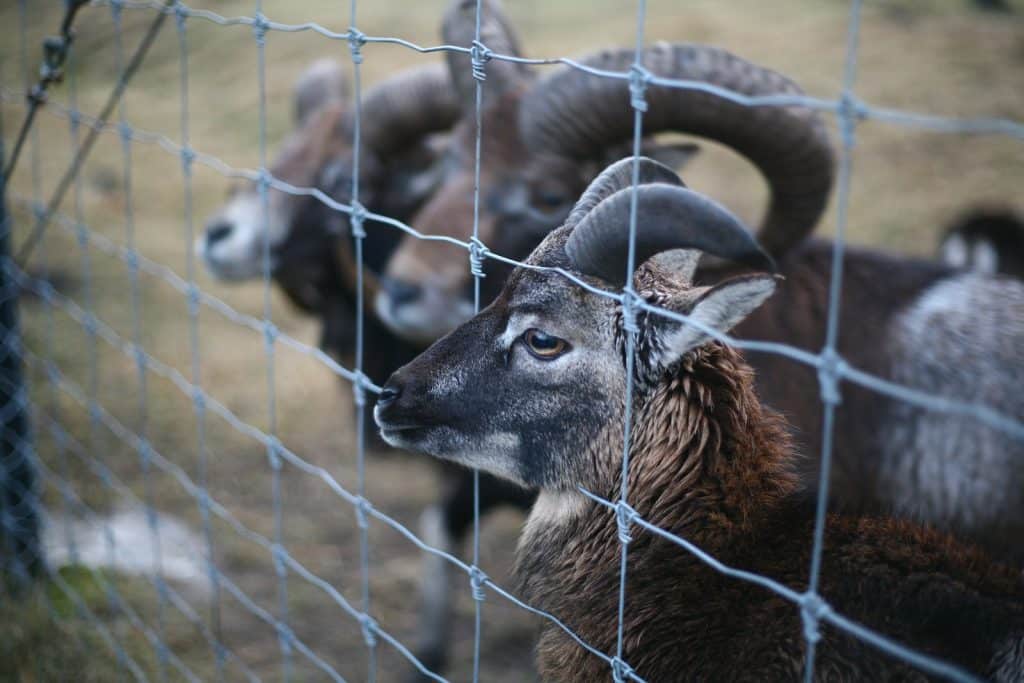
x,y
618,176
322,83
459,28
668,217
399,111
575,114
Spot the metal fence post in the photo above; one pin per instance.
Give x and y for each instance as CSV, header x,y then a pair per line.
x,y
20,553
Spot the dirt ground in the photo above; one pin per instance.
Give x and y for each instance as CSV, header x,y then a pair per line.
x,y
941,57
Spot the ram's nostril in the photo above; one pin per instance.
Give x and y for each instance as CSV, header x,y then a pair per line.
x,y
215,232
389,394
400,292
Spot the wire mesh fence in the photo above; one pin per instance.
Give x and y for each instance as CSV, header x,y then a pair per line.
x,y
80,428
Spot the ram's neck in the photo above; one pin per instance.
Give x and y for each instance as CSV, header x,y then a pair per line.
x,y
707,458
707,463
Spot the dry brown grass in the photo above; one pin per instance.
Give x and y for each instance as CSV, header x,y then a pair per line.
x,y
935,57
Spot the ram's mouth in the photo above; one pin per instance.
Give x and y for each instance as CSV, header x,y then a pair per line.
x,y
399,433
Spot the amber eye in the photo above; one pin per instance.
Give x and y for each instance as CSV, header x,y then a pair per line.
x,y
544,346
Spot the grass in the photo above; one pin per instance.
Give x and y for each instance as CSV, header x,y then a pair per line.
x,y
934,57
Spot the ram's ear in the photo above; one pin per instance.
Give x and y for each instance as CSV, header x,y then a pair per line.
x,y
718,308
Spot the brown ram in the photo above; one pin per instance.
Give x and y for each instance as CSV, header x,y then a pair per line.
x,y
533,389
311,254
952,471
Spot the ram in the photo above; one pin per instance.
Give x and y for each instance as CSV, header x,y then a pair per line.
x,y
313,261
311,258
533,390
915,322
544,139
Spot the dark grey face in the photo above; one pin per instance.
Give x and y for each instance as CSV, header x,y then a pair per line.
x,y
533,387
503,391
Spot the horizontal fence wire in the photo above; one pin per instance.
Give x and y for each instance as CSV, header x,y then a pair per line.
x,y
847,108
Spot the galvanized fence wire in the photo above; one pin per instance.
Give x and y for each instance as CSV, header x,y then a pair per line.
x,y
828,363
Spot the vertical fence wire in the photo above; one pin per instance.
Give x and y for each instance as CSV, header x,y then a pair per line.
x,y
126,662
812,605
358,230
192,302
92,348
284,633
620,669
142,405
478,59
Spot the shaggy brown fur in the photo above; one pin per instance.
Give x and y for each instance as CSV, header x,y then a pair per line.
x,y
711,465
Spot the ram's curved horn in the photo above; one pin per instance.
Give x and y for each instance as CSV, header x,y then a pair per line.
x,y
401,110
322,83
459,28
574,114
668,217
619,176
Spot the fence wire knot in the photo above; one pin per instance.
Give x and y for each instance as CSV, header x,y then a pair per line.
x,y
359,389
125,131
850,111
188,155
356,220
273,452
146,456
141,361
477,579
368,625
356,40
279,554
180,14
830,367
639,78
621,672
479,55
199,401
270,335
89,324
260,25
624,517
630,311
477,253
193,298
284,635
363,508
812,610
263,180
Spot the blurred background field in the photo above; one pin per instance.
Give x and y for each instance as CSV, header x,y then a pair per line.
x,y
941,57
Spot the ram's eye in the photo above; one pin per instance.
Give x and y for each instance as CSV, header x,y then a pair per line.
x,y
544,346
